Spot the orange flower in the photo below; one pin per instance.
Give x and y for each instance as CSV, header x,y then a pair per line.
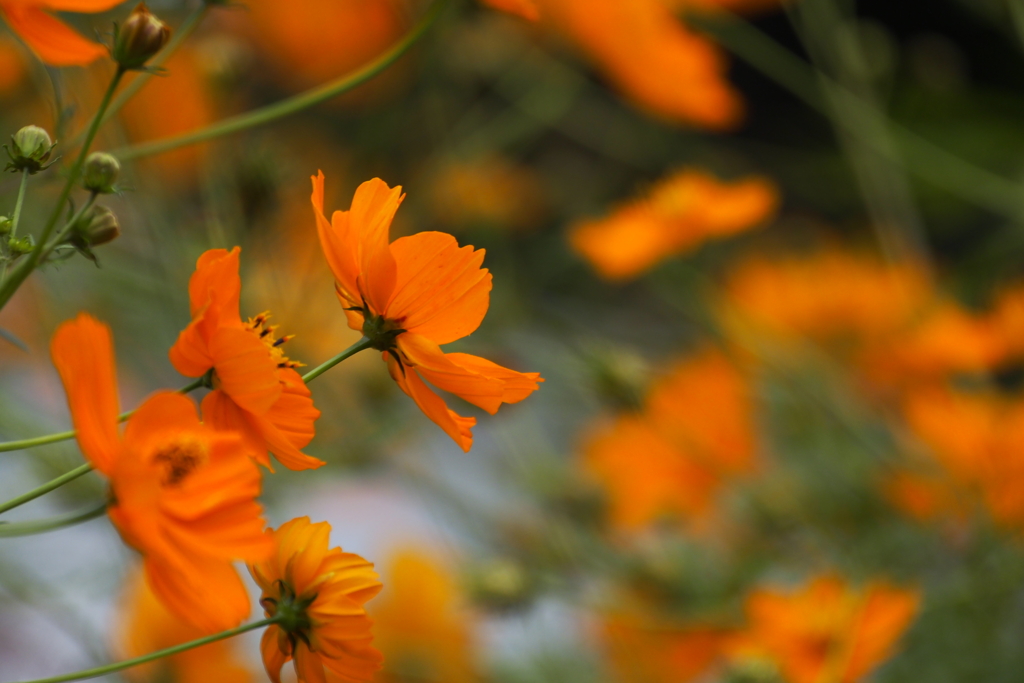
x,y
826,631
420,624
146,626
256,390
696,430
409,297
645,651
319,596
679,213
51,39
12,66
184,494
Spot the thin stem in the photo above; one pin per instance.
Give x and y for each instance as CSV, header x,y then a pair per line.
x,y
291,105
47,487
166,652
15,219
38,526
10,284
360,345
63,232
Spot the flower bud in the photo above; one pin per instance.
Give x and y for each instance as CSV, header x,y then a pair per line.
x,y
140,37
5,225
19,246
100,172
97,226
30,149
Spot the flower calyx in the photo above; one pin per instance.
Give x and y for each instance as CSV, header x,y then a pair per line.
x,y
95,227
380,331
138,39
290,612
30,150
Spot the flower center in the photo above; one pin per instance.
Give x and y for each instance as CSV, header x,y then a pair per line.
x,y
179,459
261,327
380,331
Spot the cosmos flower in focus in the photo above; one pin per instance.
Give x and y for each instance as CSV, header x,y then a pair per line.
x,y
145,626
51,39
411,296
827,630
256,390
676,216
183,493
319,594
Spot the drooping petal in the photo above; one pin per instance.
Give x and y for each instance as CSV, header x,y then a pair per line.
x,y
204,592
51,39
289,424
515,385
245,369
442,292
83,353
373,208
216,277
434,366
273,657
308,666
432,405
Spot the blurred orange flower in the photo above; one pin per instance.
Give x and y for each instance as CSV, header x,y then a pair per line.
x,y
420,624
643,651
51,39
184,494
696,429
320,596
256,390
146,626
490,191
409,297
827,630
681,212
12,66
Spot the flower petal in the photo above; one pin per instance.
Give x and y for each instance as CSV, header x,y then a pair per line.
x,y
216,277
224,414
289,424
432,405
515,385
245,369
273,658
373,208
308,666
206,593
338,245
51,39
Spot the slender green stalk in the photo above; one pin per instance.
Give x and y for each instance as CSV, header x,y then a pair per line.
x,y
291,105
15,219
10,284
166,652
47,487
38,526
360,345
63,232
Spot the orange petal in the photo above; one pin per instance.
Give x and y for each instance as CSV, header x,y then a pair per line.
x,y
434,366
273,658
206,593
216,277
225,415
373,208
288,425
52,40
515,385
162,413
79,5
190,354
454,425
84,355
245,369
442,292
338,248
308,666
527,9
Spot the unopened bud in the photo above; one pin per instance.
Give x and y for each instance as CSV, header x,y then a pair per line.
x,y
5,225
140,37
97,226
100,172
18,246
30,150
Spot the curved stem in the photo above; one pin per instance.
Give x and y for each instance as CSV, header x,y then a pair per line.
x,y
47,487
291,105
15,219
360,345
166,652
10,284
63,232
38,526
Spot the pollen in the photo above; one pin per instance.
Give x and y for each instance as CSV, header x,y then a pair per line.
x,y
179,459
261,327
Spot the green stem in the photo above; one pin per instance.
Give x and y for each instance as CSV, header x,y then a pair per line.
x,y
292,105
159,654
47,487
360,345
38,526
10,284
15,219
63,232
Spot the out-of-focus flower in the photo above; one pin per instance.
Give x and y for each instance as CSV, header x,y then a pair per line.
x,y
676,216
146,626
826,630
825,294
409,297
925,497
492,191
647,53
12,66
671,460
183,493
51,39
256,390
421,624
319,596
645,651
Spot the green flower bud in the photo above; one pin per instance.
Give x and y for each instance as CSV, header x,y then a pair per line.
x,y
140,37
97,226
5,225
100,172
30,150
19,246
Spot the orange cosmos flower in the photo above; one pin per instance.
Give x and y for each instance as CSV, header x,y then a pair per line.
x,y
678,214
828,630
650,651
319,595
183,493
145,626
409,297
51,39
256,390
